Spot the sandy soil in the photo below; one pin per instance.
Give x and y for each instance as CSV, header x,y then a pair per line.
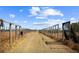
x,y
35,42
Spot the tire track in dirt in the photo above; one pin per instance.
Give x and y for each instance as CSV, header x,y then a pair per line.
x,y
32,42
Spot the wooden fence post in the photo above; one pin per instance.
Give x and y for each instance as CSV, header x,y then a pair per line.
x,y
10,35
58,31
0,39
19,31
16,35
53,30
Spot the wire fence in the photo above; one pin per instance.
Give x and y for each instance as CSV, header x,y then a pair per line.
x,y
67,34
54,32
9,33
71,34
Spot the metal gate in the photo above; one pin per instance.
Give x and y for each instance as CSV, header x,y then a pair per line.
x,y
71,31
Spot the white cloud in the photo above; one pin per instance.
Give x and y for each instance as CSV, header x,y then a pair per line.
x,y
73,20
55,21
44,12
44,8
50,22
12,15
41,23
34,11
40,17
21,10
25,21
52,12
15,21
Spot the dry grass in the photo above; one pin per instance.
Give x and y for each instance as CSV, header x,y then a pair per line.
x,y
5,40
34,42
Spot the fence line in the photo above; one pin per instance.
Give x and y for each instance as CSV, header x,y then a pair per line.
x,y
68,34
52,31
8,34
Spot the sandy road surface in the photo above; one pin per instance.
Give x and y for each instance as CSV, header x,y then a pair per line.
x,y
35,42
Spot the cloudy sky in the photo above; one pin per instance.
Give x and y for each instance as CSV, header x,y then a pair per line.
x,y
38,17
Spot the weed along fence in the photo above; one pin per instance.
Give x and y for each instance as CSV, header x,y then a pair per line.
x,y
9,33
71,34
67,34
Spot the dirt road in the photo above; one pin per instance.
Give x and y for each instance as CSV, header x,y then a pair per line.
x,y
35,42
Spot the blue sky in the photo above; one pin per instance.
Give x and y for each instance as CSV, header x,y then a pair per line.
x,y
38,17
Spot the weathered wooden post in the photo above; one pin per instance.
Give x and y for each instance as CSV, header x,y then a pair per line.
x,y
10,35
58,31
16,32
0,36
50,30
19,31
53,30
